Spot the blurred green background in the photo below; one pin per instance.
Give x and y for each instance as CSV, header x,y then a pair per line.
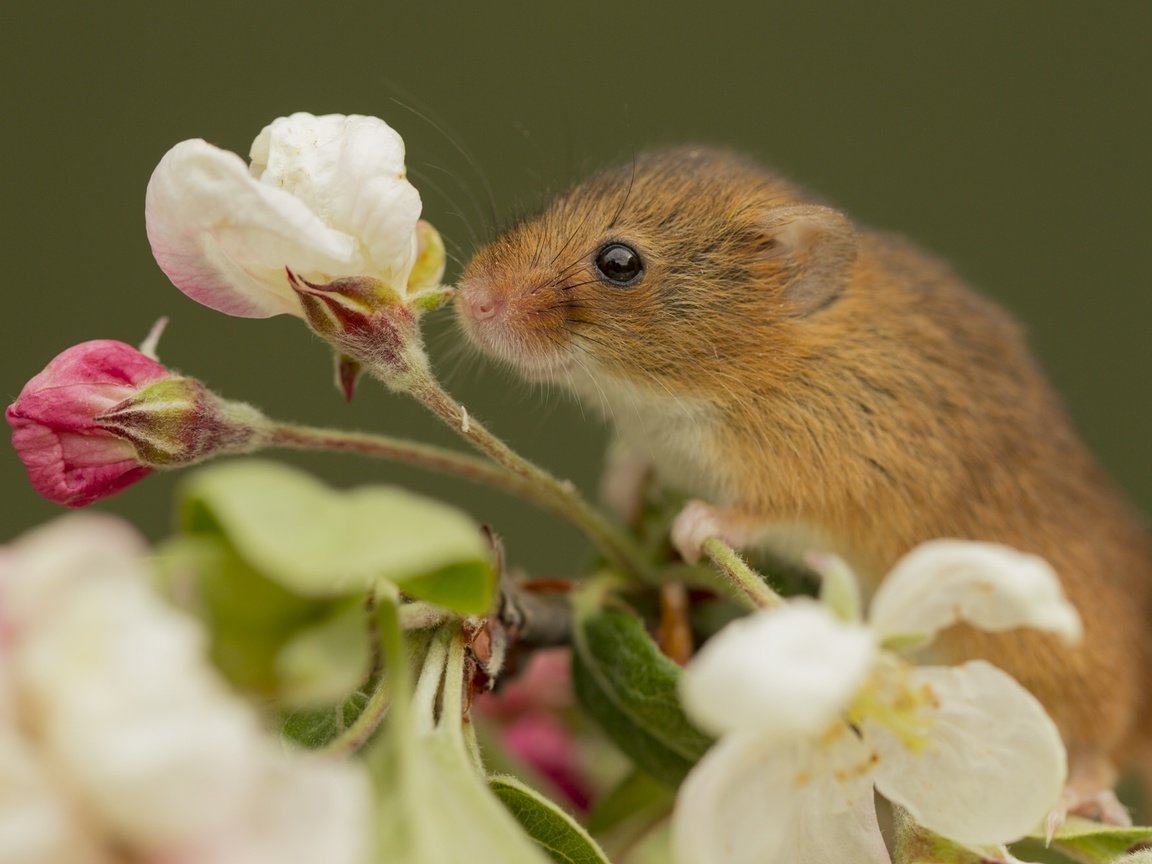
x,y
1013,139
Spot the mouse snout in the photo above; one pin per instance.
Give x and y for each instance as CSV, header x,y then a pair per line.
x,y
479,301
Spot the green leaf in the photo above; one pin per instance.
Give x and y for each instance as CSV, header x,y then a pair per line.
x,y
327,661
630,689
433,806
318,542
557,833
250,618
1086,840
636,794
315,728
631,813
917,845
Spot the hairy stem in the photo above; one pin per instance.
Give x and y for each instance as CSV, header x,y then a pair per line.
x,y
391,687
399,450
561,496
750,586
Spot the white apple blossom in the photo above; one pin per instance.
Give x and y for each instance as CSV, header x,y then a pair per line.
x,y
814,711
324,197
119,742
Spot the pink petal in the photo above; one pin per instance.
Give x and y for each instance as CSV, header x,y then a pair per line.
x,y
69,458
225,239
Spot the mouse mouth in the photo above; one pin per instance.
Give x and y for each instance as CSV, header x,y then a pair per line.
x,y
510,333
522,358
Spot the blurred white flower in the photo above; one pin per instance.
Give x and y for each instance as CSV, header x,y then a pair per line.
x,y
324,197
814,709
118,739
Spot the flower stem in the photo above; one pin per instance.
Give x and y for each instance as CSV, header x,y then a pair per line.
x,y
399,450
750,585
560,495
391,688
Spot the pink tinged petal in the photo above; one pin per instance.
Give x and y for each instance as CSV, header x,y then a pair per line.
x,y
70,459
783,672
350,171
750,801
990,586
225,239
994,765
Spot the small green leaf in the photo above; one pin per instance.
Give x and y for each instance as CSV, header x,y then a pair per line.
x,y
635,794
433,806
315,728
327,661
631,813
1086,840
917,845
557,833
630,689
318,542
249,618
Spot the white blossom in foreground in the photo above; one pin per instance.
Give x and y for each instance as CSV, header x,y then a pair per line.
x,y
119,743
813,709
324,197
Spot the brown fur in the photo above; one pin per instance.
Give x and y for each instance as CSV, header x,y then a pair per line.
x,y
901,407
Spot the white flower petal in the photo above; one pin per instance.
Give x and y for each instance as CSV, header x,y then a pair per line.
x,y
987,585
308,809
752,802
127,704
350,172
995,764
225,239
42,567
735,805
781,672
37,825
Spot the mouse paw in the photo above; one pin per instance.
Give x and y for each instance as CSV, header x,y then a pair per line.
x,y
695,524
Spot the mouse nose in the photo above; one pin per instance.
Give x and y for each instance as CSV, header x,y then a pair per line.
x,y
481,302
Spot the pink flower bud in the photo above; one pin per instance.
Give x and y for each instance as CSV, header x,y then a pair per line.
x,y
70,458
102,415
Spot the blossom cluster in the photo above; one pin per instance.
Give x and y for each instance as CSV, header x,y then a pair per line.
x,y
118,740
814,708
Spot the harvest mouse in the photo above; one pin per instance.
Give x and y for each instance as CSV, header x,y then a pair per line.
x,y
818,384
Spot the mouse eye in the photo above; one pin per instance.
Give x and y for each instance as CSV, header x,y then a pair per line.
x,y
619,264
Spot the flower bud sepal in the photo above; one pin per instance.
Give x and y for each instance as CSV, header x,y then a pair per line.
x,y
178,421
369,322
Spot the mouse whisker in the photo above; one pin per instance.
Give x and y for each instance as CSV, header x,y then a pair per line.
x,y
424,181
627,193
471,160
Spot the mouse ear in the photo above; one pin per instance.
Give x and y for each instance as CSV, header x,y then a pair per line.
x,y
812,248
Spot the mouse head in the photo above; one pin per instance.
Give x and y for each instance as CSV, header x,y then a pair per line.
x,y
668,270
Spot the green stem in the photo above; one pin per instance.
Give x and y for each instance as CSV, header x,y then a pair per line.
x,y
750,586
559,495
452,700
295,437
391,690
430,683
